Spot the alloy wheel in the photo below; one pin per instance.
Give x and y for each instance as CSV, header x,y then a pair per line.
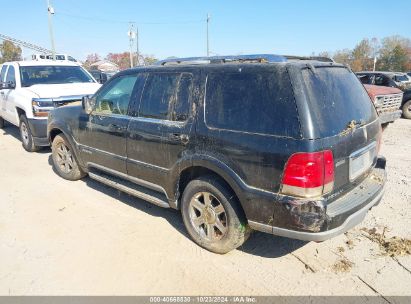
x,y
64,158
208,216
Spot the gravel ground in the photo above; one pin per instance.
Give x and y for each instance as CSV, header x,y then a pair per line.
x,y
82,238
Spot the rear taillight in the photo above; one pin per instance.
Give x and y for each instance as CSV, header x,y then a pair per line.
x,y
309,174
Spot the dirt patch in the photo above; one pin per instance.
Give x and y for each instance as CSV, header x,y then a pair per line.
x,y
350,128
392,247
342,265
350,244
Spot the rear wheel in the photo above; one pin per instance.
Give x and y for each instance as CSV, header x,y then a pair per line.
x,y
213,216
26,135
64,162
406,109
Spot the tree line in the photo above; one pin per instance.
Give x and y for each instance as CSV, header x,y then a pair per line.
x,y
391,53
122,60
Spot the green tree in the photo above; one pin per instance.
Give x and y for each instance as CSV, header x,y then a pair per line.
x,y
9,52
343,56
362,56
394,54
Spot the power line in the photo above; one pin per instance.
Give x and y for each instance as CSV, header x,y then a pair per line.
x,y
104,20
25,44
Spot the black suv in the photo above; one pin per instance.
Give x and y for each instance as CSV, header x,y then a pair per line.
x,y
284,146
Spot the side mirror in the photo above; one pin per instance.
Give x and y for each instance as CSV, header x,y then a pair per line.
x,y
88,104
11,85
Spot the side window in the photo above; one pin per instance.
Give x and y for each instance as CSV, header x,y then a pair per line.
x,y
365,79
182,103
115,97
11,75
252,102
382,80
159,93
3,73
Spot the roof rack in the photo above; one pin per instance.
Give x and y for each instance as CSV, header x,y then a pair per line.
x,y
317,58
261,58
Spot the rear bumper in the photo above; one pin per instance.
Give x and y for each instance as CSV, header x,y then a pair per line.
x,y
324,219
386,117
38,128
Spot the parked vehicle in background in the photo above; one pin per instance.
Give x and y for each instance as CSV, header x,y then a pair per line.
x,y
59,57
236,143
387,101
390,79
30,89
101,76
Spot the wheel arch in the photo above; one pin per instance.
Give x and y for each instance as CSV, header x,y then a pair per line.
x,y
211,167
55,130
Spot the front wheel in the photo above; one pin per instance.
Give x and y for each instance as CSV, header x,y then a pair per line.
x,y
212,215
406,109
64,162
26,135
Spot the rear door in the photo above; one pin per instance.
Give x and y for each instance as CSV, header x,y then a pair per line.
x,y
344,120
160,133
103,135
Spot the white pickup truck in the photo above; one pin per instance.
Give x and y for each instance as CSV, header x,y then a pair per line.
x,y
30,89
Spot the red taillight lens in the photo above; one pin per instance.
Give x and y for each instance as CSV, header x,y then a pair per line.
x,y
309,174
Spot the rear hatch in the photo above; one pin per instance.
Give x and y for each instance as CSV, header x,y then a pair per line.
x,y
341,118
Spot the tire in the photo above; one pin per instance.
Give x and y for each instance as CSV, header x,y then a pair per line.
x,y
406,109
26,135
64,161
220,226
1,122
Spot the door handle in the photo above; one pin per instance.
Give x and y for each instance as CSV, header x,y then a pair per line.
x,y
183,138
115,127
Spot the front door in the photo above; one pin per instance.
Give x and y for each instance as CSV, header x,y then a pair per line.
x,y
8,108
103,133
160,133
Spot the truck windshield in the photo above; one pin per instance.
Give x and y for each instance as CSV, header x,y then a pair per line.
x,y
32,75
337,98
401,78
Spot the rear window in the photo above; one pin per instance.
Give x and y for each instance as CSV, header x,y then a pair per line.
x,y
337,97
261,103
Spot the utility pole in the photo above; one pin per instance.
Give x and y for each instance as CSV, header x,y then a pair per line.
x,y
208,41
131,35
50,11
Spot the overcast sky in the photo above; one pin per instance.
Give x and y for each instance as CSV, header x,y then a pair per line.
x,y
178,28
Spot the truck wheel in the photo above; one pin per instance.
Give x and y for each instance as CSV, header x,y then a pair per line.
x,y
26,136
1,122
64,161
406,109
212,215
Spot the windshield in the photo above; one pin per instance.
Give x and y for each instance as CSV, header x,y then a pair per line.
x,y
401,78
32,75
337,99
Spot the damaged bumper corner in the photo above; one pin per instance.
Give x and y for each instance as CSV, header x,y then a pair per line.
x,y
319,220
